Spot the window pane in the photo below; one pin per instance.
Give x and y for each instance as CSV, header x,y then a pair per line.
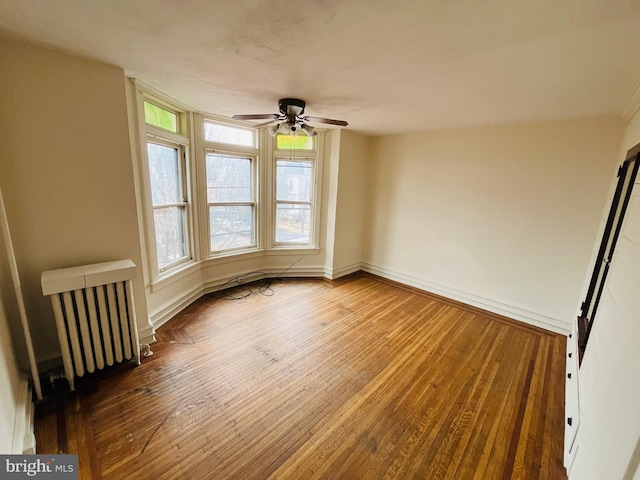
x,y
164,174
293,180
159,117
170,234
216,132
229,179
231,227
294,142
293,223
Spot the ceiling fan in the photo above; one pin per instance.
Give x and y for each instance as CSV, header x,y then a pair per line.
x,y
290,118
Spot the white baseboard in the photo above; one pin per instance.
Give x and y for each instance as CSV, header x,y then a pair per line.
x,y
146,334
335,273
24,440
510,311
166,312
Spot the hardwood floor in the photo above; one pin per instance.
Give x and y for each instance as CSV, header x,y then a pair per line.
x,y
358,379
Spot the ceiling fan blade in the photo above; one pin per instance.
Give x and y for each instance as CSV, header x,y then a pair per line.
x,y
264,124
258,116
340,123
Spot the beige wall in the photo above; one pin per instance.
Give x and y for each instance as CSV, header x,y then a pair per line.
x,y
66,171
330,197
353,172
500,217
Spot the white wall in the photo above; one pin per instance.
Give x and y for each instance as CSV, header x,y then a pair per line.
x,y
15,400
66,172
608,439
498,217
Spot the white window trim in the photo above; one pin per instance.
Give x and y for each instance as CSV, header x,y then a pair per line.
x,y
255,172
183,178
205,147
316,157
183,141
191,126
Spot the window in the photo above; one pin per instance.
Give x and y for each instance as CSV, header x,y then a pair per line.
x,y
221,133
295,177
231,200
213,188
160,117
166,166
294,142
294,201
231,171
169,203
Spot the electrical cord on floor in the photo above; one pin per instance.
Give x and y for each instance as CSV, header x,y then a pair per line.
x,y
264,288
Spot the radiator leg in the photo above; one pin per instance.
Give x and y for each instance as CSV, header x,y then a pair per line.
x,y
145,350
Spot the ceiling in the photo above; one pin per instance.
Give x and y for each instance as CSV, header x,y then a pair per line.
x,y
384,66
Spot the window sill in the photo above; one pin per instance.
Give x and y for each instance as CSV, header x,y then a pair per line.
x,y
293,250
173,275
234,256
184,270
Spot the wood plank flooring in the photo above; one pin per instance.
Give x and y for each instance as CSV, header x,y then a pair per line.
x,y
359,379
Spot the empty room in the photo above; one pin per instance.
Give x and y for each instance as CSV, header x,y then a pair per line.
x,y
297,240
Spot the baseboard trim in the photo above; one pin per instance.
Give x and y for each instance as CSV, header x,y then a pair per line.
x,y
24,440
498,308
335,273
165,313
147,333
272,273
170,309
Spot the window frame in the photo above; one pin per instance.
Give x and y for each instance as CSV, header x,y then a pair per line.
x,y
182,194
181,140
314,156
240,151
225,123
253,203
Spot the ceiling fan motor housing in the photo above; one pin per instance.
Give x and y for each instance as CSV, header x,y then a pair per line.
x,y
291,106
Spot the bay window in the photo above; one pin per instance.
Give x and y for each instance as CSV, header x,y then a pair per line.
x,y
213,188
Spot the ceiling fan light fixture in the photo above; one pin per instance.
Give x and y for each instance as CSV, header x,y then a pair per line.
x,y
284,127
290,118
310,131
273,129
